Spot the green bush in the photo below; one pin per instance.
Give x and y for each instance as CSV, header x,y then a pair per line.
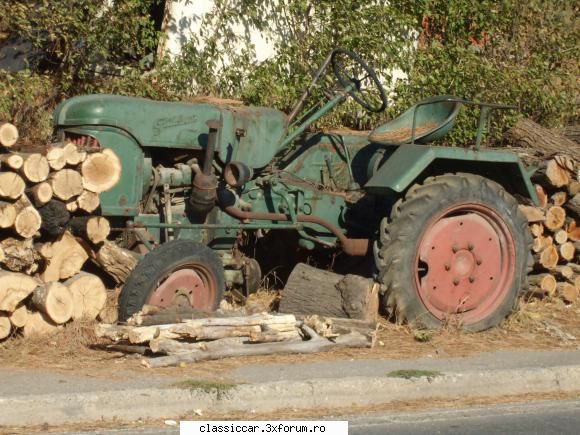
x,y
514,52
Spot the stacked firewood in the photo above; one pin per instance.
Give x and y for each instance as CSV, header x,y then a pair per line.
x,y
174,338
555,222
49,228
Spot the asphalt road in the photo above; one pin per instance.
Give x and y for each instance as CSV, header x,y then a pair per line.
x,y
545,418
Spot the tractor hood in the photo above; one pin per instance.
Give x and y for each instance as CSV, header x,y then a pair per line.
x,y
248,134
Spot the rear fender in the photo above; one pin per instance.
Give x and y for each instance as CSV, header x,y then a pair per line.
x,y
413,163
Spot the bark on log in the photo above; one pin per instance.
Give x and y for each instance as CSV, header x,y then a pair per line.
x,y
89,295
8,134
66,184
96,229
40,193
101,171
314,291
68,257
19,255
55,218
571,132
14,288
5,326
19,316
545,281
35,168
7,214
555,218
28,221
11,160
55,300
11,185
315,344
88,201
175,347
116,261
528,134
56,157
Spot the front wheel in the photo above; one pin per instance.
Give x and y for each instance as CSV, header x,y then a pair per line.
x,y
177,273
456,248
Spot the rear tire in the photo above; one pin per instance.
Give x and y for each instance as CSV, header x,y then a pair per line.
x,y
185,272
455,248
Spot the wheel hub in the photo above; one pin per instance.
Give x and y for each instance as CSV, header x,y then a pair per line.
x,y
463,265
184,287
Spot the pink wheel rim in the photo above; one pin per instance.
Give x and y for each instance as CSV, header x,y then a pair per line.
x,y
465,264
190,286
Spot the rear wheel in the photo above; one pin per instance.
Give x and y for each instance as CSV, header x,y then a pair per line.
x,y
178,273
456,248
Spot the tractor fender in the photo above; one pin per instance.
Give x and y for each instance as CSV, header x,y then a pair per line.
x,y
409,164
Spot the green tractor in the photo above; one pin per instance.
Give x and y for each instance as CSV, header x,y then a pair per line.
x,y
203,185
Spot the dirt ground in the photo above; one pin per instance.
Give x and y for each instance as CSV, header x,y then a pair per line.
x,y
537,325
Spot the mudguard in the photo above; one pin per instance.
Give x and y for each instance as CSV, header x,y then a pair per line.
x,y
409,163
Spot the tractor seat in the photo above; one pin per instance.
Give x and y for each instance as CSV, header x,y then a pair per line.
x,y
434,117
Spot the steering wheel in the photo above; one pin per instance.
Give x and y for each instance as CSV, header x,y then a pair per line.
x,y
359,80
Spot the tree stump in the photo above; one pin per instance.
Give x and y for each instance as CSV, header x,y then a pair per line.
x,y
314,291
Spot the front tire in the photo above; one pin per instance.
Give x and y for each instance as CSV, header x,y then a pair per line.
x,y
177,273
455,248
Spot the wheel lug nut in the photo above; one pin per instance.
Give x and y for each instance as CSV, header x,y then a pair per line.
x,y
470,246
471,279
478,261
447,267
454,249
456,281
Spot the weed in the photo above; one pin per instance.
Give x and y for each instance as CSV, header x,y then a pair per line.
x,y
413,373
220,389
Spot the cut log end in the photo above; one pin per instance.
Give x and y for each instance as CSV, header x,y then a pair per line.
x,y
55,300
8,134
101,171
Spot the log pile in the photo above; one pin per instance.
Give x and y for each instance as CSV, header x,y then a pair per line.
x,y
228,334
555,222
47,236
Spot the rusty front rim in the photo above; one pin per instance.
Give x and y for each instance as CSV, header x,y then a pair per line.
x,y
190,285
465,263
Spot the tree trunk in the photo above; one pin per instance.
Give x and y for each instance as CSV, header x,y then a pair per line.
x,y
19,316
7,214
116,261
67,258
55,300
56,158
546,282
55,218
72,154
88,201
12,161
14,288
314,291
19,255
89,295
38,325
96,229
555,218
101,171
28,221
35,168
567,292
8,134
5,326
11,185
66,184
40,193
527,134
573,205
